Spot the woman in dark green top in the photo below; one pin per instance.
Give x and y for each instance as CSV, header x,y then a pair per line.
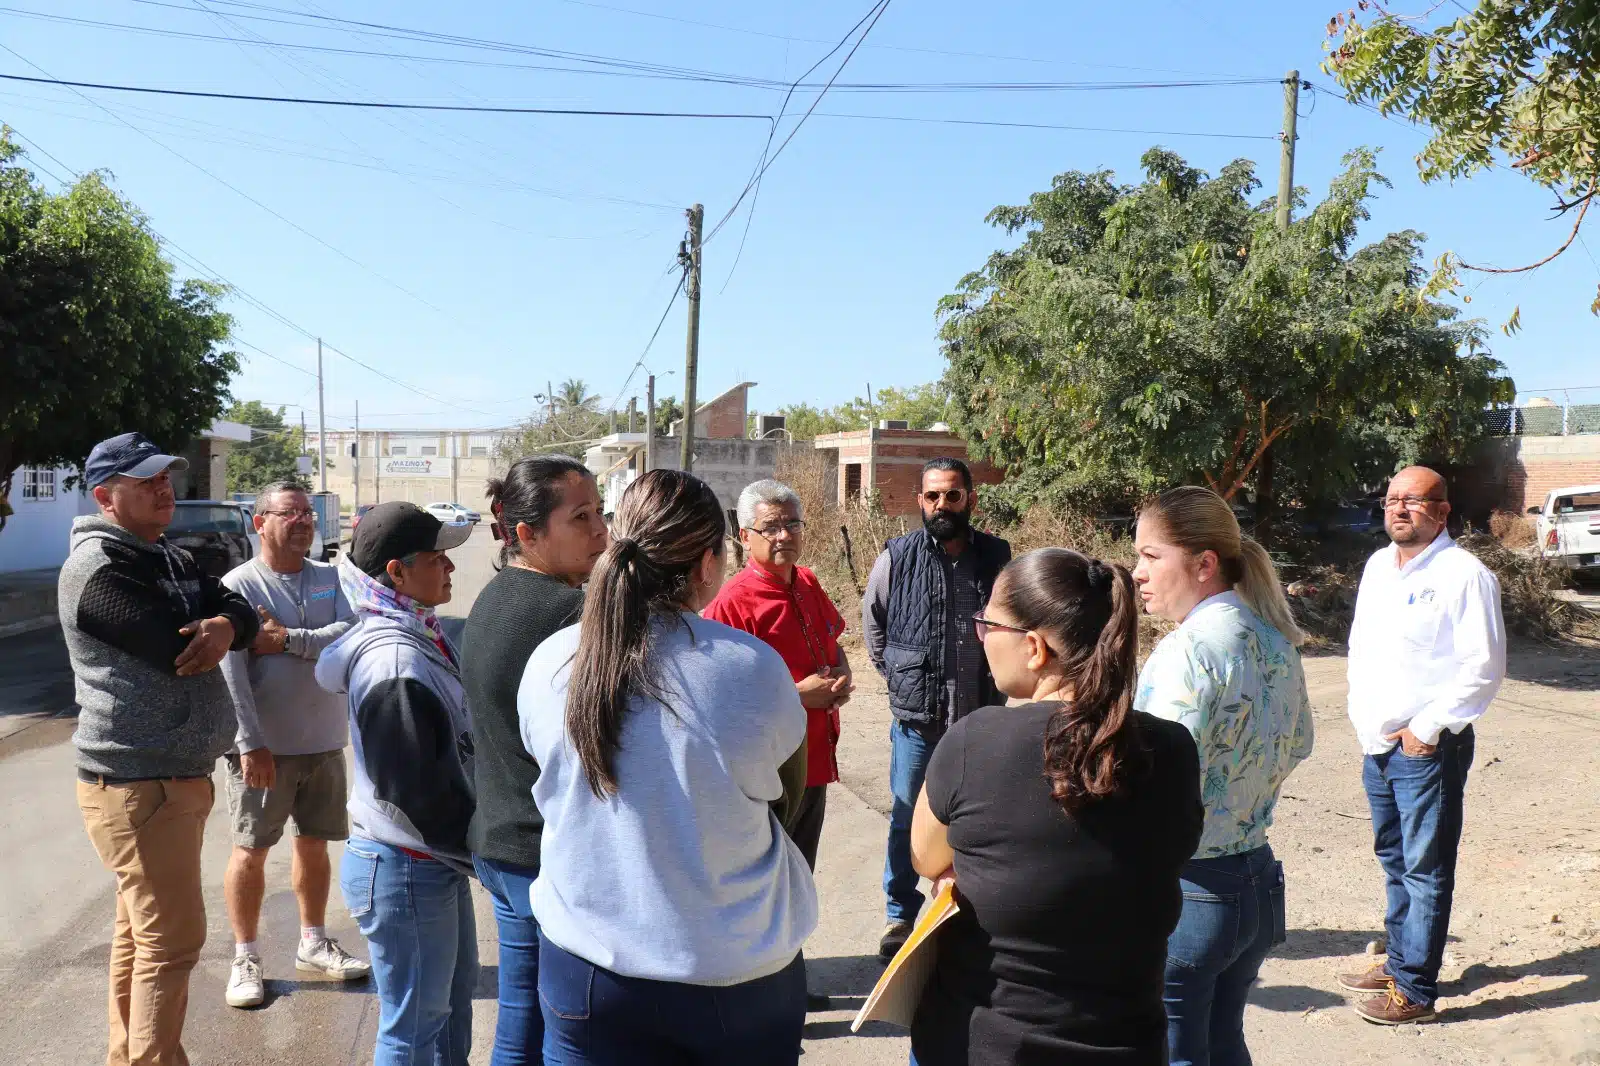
x,y
549,515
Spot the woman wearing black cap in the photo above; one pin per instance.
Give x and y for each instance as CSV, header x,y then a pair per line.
x,y
406,864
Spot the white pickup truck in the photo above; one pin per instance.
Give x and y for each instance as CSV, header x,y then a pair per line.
x,y
1569,527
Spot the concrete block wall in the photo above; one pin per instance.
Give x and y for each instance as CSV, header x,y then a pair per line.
x,y
891,462
1515,473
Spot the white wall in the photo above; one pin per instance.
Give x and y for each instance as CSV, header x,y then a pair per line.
x,y
36,535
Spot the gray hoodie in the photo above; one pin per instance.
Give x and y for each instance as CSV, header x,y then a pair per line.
x,y
121,603
410,735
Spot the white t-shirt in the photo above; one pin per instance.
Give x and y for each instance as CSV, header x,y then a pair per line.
x,y
684,874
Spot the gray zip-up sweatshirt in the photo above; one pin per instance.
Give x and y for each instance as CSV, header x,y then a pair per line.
x,y
121,603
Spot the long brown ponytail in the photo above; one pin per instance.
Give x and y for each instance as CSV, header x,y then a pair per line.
x,y
664,524
1087,611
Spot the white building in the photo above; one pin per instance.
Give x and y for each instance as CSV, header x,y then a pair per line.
x,y
38,532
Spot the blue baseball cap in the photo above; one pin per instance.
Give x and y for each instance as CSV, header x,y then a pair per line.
x,y
131,455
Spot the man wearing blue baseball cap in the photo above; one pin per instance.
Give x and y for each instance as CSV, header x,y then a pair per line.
x,y
145,630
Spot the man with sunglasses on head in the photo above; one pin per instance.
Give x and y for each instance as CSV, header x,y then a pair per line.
x,y
289,756
917,622
1427,655
783,604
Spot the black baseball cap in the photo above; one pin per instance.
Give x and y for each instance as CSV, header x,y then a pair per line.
x,y
131,455
395,530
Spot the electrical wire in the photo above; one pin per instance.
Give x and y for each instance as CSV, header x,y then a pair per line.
x,y
639,365
263,307
384,105
275,358
1047,126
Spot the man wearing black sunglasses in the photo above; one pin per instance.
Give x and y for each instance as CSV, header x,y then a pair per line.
x,y
916,619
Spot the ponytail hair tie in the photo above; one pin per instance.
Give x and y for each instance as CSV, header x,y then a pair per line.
x,y
627,549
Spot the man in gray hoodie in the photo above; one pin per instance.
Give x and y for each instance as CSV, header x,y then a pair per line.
x,y
145,630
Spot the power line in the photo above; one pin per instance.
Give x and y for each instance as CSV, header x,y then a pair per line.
x,y
639,365
278,316
766,161
383,105
275,358
1047,126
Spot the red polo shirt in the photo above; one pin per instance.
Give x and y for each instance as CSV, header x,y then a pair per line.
x,y
803,626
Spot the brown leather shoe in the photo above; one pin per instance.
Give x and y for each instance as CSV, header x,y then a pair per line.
x,y
1393,1008
1376,979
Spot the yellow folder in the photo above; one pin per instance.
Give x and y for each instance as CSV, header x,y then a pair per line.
x,y
894,998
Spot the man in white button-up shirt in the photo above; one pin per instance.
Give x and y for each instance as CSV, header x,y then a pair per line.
x,y
1427,654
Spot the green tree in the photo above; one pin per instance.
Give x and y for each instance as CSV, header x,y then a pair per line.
x,y
920,405
668,411
1503,83
271,453
1168,332
573,396
96,336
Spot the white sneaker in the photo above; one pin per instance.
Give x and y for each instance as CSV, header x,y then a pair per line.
x,y
245,986
326,956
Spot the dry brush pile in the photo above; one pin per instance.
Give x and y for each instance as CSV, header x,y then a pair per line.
x,y
843,542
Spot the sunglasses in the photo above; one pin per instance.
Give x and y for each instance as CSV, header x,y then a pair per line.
x,y
954,497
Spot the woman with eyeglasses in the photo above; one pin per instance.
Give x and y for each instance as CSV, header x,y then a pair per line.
x,y
671,905
1063,820
1231,674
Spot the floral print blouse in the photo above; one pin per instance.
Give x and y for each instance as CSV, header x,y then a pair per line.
x,y
1238,686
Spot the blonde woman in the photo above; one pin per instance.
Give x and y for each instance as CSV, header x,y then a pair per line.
x,y
1231,674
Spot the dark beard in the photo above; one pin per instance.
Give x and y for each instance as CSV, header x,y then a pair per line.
x,y
945,526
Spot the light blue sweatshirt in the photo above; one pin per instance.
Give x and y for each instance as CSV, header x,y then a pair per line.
x,y
684,874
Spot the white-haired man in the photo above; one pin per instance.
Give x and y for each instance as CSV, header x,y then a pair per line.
x,y
781,602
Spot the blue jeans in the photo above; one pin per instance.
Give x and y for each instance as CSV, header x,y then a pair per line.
x,y
417,917
1232,915
593,1017
910,748
519,1027
1416,826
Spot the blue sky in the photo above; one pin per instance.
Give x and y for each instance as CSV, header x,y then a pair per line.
x,y
475,257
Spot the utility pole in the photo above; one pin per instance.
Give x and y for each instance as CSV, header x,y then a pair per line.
x,y
689,255
633,414
649,424
550,395
356,454
322,426
1266,505
1291,110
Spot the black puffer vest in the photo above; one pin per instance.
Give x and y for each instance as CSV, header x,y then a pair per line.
x,y
914,632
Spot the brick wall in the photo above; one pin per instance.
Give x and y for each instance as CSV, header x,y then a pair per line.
x,y
1515,473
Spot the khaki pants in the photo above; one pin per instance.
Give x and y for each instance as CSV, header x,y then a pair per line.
x,y
148,833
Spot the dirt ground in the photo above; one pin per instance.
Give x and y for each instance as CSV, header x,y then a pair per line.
x,y
1521,982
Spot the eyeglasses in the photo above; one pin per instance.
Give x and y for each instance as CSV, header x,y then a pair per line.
x,y
772,532
982,626
304,515
953,497
1410,503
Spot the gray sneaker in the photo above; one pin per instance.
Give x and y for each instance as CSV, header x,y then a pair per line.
x,y
245,986
327,957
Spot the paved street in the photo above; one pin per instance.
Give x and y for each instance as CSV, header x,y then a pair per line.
x,y
56,911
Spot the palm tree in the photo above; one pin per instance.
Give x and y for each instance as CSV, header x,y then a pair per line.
x,y
574,396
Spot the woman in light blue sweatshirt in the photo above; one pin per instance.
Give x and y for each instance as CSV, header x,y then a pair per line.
x,y
671,905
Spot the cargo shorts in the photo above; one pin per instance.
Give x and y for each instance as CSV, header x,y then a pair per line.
x,y
309,788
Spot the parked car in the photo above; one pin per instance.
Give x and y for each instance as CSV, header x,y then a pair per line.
x,y
453,514
215,532
1569,528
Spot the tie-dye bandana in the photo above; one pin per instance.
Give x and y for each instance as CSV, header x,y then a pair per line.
x,y
366,594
